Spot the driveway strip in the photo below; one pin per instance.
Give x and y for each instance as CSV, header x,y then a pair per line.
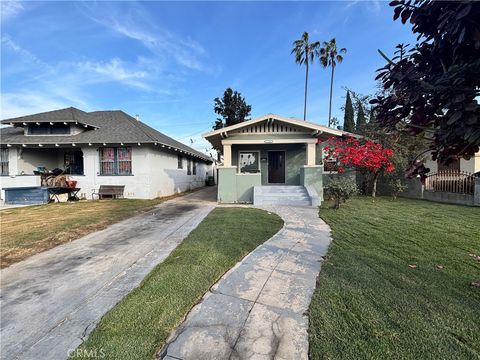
x,y
51,301
258,309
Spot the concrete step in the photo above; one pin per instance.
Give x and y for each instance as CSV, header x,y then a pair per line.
x,y
282,195
288,202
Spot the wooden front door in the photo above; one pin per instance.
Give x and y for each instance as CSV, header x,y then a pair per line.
x,y
276,167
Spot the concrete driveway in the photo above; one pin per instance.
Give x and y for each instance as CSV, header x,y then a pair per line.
x,y
51,301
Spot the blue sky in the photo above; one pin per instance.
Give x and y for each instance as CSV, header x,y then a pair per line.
x,y
166,61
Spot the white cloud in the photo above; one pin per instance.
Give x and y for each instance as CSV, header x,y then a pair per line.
x,y
10,9
137,25
113,70
26,102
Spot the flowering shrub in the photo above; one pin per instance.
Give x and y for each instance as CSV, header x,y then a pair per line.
x,y
367,156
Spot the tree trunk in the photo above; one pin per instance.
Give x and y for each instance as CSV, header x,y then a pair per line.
x,y
374,184
306,85
331,94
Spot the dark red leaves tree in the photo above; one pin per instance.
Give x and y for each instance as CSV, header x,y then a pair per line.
x,y
433,88
366,156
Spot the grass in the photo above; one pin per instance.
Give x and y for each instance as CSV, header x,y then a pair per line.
x,y
370,304
139,325
29,230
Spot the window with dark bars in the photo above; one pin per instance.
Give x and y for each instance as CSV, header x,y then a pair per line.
x,y
115,161
194,168
4,161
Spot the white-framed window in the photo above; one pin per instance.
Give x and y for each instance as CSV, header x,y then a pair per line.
x,y
4,161
115,160
249,161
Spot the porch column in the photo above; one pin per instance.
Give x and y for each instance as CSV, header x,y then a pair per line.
x,y
227,155
311,154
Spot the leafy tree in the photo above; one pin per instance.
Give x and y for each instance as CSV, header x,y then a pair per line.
x,y
432,90
329,55
361,118
304,52
366,156
232,109
348,121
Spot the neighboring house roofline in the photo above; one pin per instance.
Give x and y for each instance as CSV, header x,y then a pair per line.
x,y
112,128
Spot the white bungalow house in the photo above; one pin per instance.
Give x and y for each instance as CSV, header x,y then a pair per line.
x,y
99,148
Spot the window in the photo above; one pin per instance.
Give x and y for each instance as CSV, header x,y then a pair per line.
x,y
47,129
73,162
189,167
180,162
115,161
194,168
454,165
249,162
4,161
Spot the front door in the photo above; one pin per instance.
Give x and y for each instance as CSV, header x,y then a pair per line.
x,y
276,167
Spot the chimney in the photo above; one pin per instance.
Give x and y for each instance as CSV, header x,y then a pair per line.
x,y
137,117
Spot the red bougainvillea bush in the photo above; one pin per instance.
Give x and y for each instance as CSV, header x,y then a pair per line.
x,y
363,155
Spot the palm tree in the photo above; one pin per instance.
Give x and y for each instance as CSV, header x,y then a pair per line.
x,y
329,55
305,54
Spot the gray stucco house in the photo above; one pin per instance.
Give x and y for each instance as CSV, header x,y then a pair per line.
x,y
99,148
272,159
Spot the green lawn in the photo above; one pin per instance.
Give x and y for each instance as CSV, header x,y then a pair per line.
x,y
139,325
369,304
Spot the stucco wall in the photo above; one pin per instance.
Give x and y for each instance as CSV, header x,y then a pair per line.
x,y
154,172
234,187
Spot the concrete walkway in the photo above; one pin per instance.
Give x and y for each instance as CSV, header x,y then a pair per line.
x,y
51,301
258,309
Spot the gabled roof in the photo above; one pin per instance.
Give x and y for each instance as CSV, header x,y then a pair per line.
x,y
112,127
67,115
292,121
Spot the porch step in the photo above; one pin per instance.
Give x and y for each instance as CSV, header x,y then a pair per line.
x,y
281,195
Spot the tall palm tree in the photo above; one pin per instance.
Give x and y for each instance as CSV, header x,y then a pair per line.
x,y
329,55
305,54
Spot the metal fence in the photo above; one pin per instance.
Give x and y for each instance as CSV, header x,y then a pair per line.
x,y
452,181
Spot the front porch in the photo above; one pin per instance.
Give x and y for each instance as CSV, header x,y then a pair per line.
x,y
285,166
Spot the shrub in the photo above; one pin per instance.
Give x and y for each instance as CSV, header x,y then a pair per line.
x,y
341,189
397,187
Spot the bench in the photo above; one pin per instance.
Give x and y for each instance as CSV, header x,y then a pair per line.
x,y
111,191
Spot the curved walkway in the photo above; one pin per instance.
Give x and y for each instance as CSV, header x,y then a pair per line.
x,y
51,301
258,309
